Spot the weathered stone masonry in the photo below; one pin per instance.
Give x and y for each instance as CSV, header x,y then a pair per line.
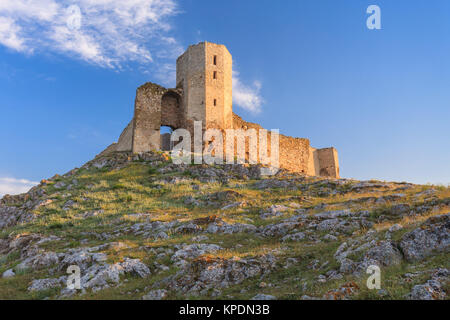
x,y
204,93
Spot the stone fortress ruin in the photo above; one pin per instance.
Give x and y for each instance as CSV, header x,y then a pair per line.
x,y
204,93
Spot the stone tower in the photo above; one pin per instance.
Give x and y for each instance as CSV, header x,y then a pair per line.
x,y
204,75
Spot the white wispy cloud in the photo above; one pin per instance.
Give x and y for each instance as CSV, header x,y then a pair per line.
x,y
247,97
15,186
9,34
108,33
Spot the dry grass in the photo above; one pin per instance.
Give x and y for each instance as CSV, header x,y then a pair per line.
x,y
118,195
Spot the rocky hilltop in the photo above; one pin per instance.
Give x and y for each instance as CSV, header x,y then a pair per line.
x,y
140,227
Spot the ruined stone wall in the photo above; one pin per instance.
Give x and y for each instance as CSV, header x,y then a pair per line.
x,y
328,162
125,142
313,162
294,153
143,134
147,117
155,106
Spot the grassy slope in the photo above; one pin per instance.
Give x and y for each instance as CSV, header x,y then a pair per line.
x,y
133,189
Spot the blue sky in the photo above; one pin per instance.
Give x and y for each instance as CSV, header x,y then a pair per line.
x,y
310,68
